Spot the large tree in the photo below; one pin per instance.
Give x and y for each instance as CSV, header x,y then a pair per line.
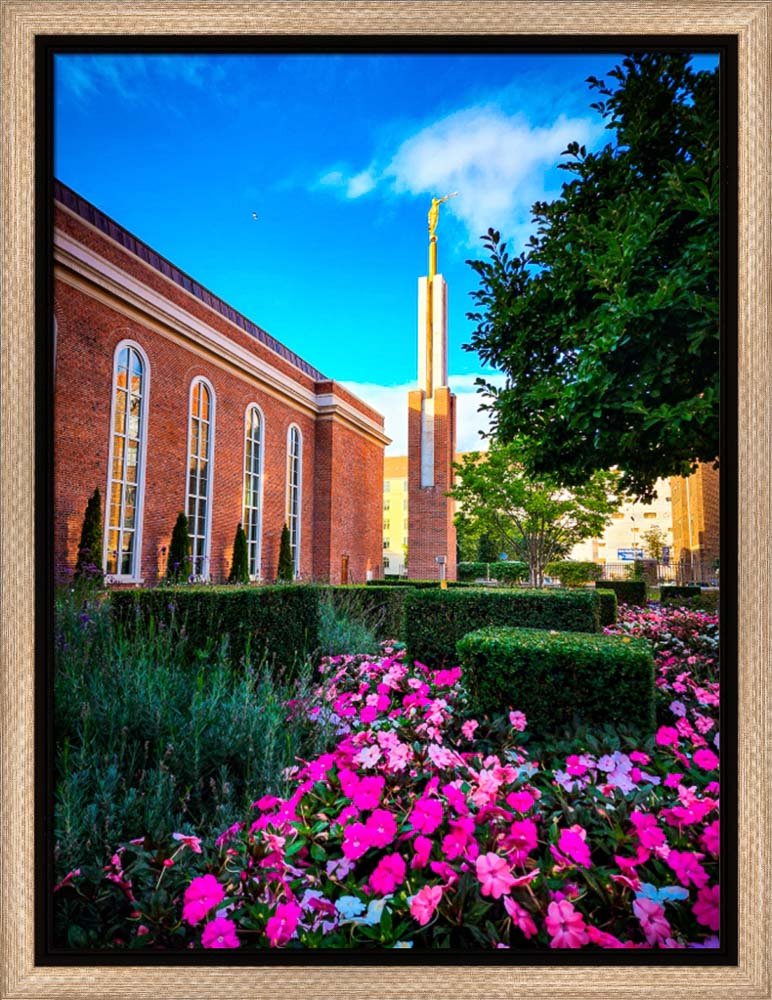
x,y
536,520
607,325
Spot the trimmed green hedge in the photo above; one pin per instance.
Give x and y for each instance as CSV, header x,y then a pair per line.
x,y
608,607
560,679
435,620
280,623
399,581
670,593
381,607
572,573
627,591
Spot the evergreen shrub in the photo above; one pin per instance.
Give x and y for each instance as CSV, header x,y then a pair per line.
x,y
398,581
434,620
89,562
671,594
240,565
509,571
278,623
178,563
286,568
627,591
572,573
608,607
560,680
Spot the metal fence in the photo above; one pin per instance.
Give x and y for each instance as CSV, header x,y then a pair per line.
x,y
701,571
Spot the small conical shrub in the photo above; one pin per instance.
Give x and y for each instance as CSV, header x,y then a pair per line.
x,y
240,566
178,564
286,566
89,562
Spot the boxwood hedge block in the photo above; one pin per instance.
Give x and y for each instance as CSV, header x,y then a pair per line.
x,y
560,679
608,607
434,620
627,591
280,623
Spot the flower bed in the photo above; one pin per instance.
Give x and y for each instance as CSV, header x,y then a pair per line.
x,y
419,830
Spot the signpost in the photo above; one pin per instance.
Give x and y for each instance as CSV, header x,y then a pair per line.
x,y
442,560
629,555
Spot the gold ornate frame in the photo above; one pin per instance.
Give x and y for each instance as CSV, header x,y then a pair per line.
x,y
22,20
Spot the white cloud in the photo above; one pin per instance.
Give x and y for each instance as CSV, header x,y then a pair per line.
x,y
350,186
391,402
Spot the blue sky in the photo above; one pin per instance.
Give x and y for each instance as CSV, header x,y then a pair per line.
x,y
339,156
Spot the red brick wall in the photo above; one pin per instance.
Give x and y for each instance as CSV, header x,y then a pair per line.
x,y
341,487
431,531
696,509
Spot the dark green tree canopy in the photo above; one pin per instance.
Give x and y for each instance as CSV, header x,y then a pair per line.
x,y
286,569
607,325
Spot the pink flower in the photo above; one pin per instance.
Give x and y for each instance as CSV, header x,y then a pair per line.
x,y
381,827
460,832
200,896
521,918
666,736
711,837
494,875
388,874
426,815
687,867
652,919
368,757
367,794
522,836
281,926
673,780
357,840
706,759
565,926
192,842
518,721
706,909
469,727
572,843
423,848
648,830
521,801
220,933
425,902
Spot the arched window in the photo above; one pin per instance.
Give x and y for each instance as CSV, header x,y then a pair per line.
x,y
200,475
253,481
127,462
294,487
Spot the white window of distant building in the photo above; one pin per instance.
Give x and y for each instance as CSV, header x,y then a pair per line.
x,y
294,487
199,489
128,441
387,543
253,487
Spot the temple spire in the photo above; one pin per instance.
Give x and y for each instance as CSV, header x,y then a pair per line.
x,y
434,218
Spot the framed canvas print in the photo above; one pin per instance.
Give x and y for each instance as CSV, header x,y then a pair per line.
x,y
383,437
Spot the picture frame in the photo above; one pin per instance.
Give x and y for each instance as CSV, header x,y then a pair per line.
x,y
22,22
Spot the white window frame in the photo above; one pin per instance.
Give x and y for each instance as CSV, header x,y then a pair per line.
x,y
260,480
203,575
136,569
299,515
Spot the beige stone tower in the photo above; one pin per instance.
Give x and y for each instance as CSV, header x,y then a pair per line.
x,y
431,432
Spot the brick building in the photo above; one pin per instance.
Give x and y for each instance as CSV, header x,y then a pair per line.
x,y
696,519
168,400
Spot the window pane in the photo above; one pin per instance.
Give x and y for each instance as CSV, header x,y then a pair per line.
x,y
204,403
120,412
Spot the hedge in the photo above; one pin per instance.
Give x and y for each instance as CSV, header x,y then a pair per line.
x,y
679,593
627,591
435,620
572,573
381,607
280,623
608,607
506,571
399,581
560,680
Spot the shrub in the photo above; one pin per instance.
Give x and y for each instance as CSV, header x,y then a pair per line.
x,y
399,581
560,679
178,564
89,562
627,591
608,607
472,570
672,594
240,565
574,574
276,623
286,570
509,571
347,623
434,621
380,607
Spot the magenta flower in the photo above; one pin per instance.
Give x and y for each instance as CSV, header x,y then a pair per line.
x,y
687,868
281,926
423,848
706,759
572,843
367,794
706,909
425,902
469,727
494,875
521,918
381,827
652,919
667,737
521,801
426,815
518,721
357,839
523,838
711,837
648,830
565,925
388,874
200,896
220,933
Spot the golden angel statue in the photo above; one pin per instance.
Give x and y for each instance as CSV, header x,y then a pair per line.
x,y
434,212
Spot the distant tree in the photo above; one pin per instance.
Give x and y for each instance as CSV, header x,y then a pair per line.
x,y
286,569
607,325
89,562
487,550
536,520
240,564
178,564
654,540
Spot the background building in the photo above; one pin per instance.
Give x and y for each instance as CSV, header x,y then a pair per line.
x,y
168,400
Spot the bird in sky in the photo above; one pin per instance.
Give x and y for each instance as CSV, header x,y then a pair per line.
x,y
254,215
